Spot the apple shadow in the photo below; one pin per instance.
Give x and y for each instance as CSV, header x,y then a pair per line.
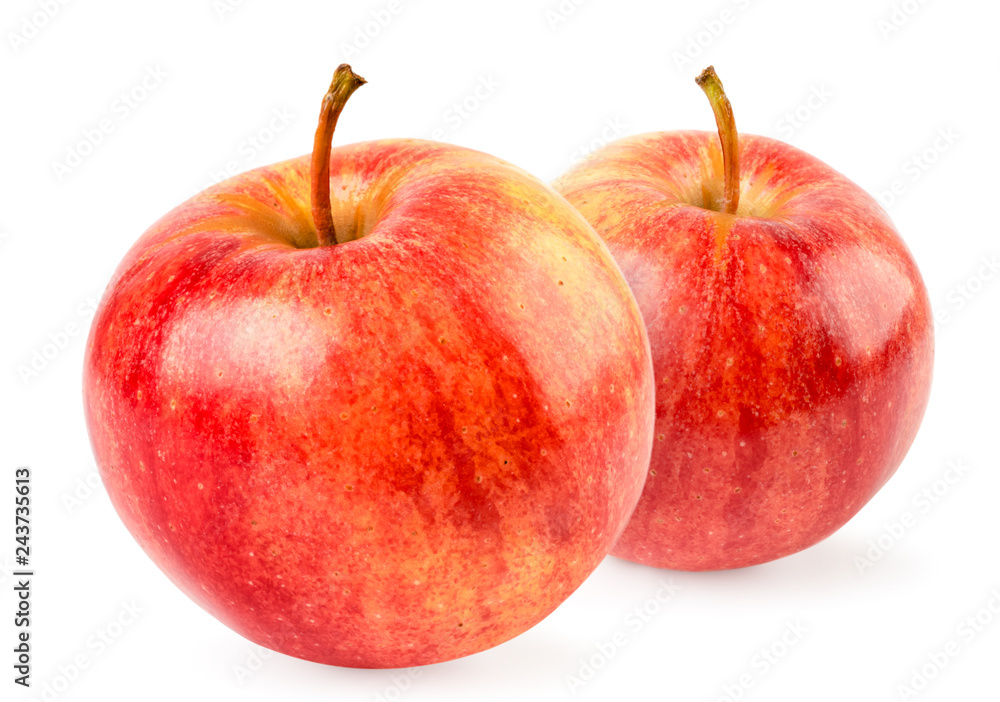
x,y
814,567
530,654
820,574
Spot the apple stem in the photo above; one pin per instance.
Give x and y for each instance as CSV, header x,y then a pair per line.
x,y
710,83
344,83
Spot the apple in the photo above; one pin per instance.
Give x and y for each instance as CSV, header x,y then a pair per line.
x,y
383,406
791,337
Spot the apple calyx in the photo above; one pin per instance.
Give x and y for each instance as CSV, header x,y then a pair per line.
x,y
345,82
709,81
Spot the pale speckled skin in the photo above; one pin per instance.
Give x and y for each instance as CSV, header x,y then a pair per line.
x,y
389,452
792,343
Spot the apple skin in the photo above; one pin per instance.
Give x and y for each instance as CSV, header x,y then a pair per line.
x,y
388,452
792,343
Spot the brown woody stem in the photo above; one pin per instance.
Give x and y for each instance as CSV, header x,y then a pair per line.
x,y
345,82
710,83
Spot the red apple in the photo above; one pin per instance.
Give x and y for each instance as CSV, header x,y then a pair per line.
x,y
398,436
791,338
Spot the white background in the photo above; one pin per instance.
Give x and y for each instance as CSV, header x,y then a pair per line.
x,y
892,76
